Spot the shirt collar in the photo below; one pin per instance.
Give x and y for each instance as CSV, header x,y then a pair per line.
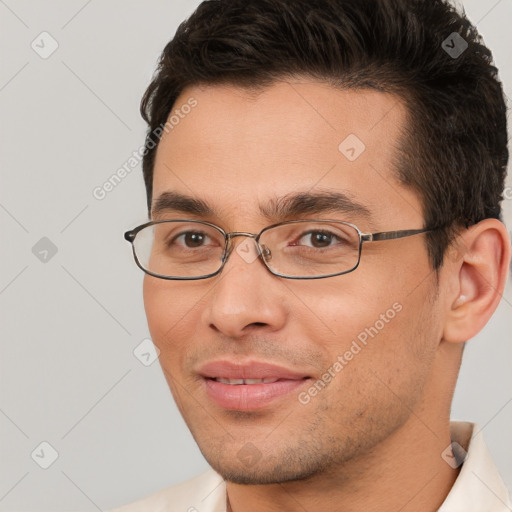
x,y
479,487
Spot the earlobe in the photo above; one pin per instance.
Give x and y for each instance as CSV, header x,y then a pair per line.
x,y
479,274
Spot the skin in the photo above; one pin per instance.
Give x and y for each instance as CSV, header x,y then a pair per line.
x,y
373,438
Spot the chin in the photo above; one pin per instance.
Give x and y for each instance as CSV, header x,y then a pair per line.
x,y
259,477
269,470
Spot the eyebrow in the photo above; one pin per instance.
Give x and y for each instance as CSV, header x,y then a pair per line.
x,y
288,207
174,201
307,203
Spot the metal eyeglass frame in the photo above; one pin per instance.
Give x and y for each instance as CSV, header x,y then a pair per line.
x,y
228,249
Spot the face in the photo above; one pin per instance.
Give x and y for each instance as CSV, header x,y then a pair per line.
x,y
334,366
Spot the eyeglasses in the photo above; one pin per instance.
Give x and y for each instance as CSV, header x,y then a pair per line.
x,y
299,249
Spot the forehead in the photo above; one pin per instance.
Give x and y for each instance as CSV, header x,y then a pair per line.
x,y
237,149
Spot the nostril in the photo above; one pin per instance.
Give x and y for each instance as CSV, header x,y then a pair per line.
x,y
259,324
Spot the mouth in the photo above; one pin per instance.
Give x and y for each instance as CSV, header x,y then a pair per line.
x,y
239,382
249,386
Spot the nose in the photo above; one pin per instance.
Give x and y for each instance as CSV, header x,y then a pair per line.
x,y
246,296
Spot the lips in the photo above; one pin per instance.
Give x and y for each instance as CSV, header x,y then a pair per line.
x,y
249,386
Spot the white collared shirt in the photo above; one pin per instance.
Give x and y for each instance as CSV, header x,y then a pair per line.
x,y
478,488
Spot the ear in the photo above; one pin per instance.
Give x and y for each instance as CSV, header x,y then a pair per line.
x,y
478,272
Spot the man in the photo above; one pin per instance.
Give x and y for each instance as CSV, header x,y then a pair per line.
x,y
324,182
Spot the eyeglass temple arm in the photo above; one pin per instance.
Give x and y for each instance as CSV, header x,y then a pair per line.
x,y
391,235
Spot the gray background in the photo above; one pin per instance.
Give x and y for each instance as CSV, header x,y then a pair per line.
x,y
70,324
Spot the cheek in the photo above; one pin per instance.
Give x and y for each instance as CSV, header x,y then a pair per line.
x,y
383,365
345,308
384,329
171,311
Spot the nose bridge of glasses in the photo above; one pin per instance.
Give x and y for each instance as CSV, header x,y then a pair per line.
x,y
262,250
236,234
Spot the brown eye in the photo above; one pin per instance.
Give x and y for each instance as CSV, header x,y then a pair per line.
x,y
318,239
321,239
193,239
